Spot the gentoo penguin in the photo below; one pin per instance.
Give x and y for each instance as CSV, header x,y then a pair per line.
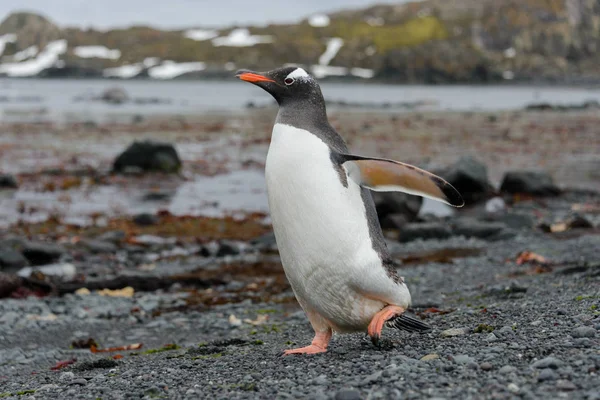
x,y
331,245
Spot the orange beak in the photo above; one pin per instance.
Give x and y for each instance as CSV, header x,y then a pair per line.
x,y
253,78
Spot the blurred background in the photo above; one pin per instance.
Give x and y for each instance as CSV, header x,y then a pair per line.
x,y
131,157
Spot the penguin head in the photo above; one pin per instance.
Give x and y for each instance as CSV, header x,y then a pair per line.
x,y
286,84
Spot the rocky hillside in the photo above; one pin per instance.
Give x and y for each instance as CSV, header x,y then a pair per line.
x,y
433,41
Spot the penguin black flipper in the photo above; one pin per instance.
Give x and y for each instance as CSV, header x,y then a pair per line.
x,y
382,175
407,323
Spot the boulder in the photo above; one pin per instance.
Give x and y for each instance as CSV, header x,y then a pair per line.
x,y
529,182
39,253
10,259
426,230
115,95
145,219
399,207
148,156
469,176
8,182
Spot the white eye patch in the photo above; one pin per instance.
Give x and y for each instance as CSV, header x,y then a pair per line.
x,y
297,74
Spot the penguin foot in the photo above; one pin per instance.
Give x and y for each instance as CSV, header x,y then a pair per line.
x,y
379,320
318,345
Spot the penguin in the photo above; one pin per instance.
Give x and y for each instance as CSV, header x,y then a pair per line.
x,y
329,238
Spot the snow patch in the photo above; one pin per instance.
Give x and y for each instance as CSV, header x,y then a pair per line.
x,y
200,34
25,54
321,71
333,46
171,69
319,20
97,52
4,39
151,61
510,52
45,59
124,71
363,72
241,38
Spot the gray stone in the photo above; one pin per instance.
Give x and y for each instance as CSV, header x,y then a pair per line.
x,y
547,375
454,332
565,385
486,366
10,259
374,377
548,362
425,231
463,359
98,246
507,369
529,182
348,394
39,253
583,332
8,182
148,156
66,376
469,176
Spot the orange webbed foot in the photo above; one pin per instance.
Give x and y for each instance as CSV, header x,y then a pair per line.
x,y
379,319
318,345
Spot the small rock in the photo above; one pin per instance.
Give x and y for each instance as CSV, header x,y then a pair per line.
x,y
495,205
512,220
145,219
469,176
536,322
565,385
529,182
39,253
454,332
148,156
513,388
430,357
427,230
228,248
486,366
66,376
348,394
11,259
80,381
583,332
505,331
115,95
491,337
507,369
8,182
374,377
577,221
65,270
548,362
546,375
321,380
113,236
98,246
463,359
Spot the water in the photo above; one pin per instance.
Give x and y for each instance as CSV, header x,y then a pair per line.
x,y
65,99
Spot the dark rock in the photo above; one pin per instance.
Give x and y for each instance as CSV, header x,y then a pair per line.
x,y
470,178
579,222
265,242
387,203
145,219
427,230
148,156
157,196
529,182
547,375
394,221
513,220
583,332
469,227
8,182
98,246
548,362
8,284
228,248
42,253
348,394
11,259
113,236
115,95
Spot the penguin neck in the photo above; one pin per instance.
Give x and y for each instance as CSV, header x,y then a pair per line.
x,y
305,114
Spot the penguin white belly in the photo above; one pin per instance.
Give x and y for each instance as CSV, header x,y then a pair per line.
x,y
322,233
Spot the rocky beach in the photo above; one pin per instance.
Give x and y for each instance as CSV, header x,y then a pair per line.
x,y
137,260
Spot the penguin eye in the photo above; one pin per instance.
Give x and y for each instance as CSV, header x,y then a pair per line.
x,y
289,81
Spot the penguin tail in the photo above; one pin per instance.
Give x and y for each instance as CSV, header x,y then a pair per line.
x,y
407,323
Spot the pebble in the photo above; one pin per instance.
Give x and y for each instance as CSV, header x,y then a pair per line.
x,y
348,394
507,369
66,376
583,332
454,332
430,357
548,362
463,359
513,388
491,337
547,375
486,366
565,385
80,381
374,377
